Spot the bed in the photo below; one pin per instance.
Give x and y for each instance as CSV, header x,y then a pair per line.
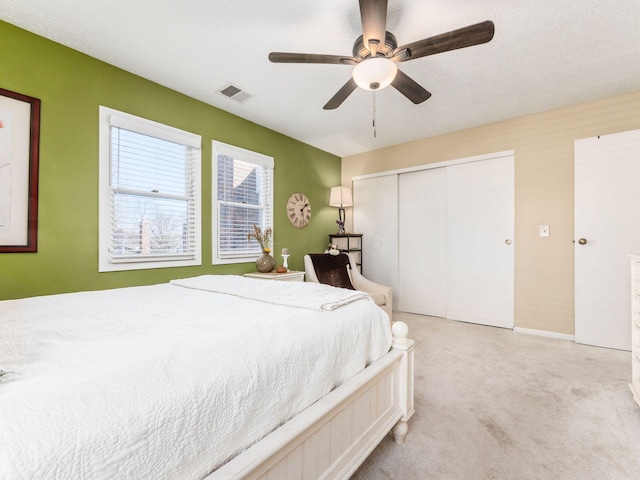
x,y
217,377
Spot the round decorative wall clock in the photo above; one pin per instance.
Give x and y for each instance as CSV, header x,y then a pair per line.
x,y
299,210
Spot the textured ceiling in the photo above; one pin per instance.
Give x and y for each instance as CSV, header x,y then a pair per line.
x,y
545,54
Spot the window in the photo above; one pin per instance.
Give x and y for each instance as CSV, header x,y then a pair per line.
x,y
242,197
149,194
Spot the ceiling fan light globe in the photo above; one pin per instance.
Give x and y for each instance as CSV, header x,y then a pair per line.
x,y
375,73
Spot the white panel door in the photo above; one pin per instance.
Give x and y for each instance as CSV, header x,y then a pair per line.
x,y
375,215
607,202
480,234
422,242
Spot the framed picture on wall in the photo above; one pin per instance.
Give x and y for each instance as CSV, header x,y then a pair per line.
x,y
19,155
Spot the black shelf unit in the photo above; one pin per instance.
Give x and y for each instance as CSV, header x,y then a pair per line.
x,y
349,243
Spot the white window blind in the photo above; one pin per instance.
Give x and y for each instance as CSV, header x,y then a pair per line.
x,y
243,196
153,215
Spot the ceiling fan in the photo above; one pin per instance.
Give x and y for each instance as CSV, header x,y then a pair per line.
x,y
376,54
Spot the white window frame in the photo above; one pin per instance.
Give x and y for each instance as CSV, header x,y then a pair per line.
x,y
219,148
107,118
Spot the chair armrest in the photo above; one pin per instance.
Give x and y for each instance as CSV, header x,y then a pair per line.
x,y
310,272
366,285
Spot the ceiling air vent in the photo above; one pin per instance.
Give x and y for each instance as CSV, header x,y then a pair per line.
x,y
235,92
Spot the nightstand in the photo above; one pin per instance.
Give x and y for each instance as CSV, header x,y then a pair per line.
x,y
290,276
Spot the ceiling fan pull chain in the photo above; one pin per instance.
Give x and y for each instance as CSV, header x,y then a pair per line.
x,y
374,114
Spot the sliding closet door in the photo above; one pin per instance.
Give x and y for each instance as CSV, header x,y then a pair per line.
x,y
480,229
375,215
422,242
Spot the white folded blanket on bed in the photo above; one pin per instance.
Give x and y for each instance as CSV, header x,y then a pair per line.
x,y
313,296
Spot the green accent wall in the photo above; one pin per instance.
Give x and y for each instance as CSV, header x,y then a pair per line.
x,y
71,86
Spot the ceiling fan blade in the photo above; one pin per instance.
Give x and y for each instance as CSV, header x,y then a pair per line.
x,y
341,95
281,57
461,38
373,14
410,88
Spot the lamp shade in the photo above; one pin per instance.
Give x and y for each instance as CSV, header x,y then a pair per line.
x,y
375,73
341,197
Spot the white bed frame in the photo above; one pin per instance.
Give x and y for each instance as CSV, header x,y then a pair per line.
x,y
331,438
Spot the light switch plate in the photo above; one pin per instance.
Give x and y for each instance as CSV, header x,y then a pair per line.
x,y
544,230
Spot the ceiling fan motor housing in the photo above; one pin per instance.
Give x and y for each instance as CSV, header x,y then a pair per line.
x,y
361,51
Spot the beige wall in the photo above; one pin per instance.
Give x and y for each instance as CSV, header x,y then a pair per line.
x,y
543,144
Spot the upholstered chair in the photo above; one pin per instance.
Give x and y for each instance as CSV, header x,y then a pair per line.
x,y
380,294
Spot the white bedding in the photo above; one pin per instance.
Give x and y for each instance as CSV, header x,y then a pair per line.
x,y
166,382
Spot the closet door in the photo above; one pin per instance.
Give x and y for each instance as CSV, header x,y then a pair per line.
x,y
375,215
480,231
422,242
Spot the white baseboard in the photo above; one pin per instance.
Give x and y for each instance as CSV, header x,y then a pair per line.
x,y
544,333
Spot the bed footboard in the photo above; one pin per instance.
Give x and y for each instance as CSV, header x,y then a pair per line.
x,y
331,438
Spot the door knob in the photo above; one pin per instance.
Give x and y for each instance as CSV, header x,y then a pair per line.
x,y
582,241
507,241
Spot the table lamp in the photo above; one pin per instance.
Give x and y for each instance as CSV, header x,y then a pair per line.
x,y
341,197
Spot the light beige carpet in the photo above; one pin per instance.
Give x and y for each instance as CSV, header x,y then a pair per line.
x,y
495,404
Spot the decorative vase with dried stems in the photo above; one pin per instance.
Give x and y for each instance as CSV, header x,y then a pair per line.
x,y
265,262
